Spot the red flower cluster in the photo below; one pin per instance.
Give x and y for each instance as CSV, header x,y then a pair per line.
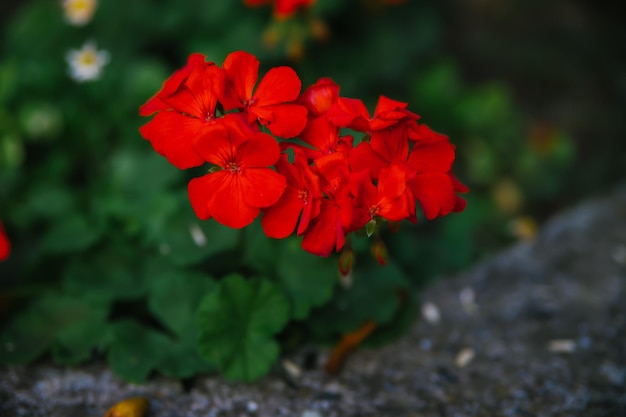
x,y
5,246
323,186
283,9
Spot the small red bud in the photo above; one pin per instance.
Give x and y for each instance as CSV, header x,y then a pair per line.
x,y
379,252
346,262
320,96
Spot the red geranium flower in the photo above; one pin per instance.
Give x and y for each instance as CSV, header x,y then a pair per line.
x,y
271,104
328,230
235,194
5,246
433,184
170,85
184,113
389,198
301,199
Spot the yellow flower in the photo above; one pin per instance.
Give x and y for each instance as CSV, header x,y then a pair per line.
x,y
79,12
86,63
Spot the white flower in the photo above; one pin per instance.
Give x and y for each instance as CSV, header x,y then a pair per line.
x,y
86,63
79,12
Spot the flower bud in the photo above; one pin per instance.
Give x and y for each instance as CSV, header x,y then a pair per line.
x,y
320,96
379,252
346,263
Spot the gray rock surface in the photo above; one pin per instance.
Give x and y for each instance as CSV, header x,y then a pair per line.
x,y
538,330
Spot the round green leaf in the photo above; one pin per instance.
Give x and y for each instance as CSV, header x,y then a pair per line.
x,y
135,350
237,322
174,296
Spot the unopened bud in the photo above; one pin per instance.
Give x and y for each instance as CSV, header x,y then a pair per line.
x,y
346,262
379,252
319,97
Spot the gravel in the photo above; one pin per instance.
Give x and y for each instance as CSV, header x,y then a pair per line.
x,y
538,330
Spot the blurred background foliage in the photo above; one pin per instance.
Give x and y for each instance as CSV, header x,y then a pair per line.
x,y
108,256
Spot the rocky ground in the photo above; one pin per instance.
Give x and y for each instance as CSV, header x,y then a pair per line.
x,y
538,330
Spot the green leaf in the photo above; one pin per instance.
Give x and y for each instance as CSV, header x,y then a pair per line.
x,y
259,251
106,275
237,322
174,296
8,79
75,344
53,319
307,279
439,86
400,324
135,350
72,233
374,295
188,240
182,360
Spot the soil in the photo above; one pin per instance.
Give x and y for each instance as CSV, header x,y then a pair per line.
x,y
538,330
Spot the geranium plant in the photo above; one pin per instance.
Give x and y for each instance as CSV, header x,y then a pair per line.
x,y
271,151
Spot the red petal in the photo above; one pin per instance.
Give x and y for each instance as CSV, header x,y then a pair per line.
x,y
389,112
283,120
391,144
238,127
310,211
435,193
261,187
199,98
171,135
170,86
362,188
364,158
280,85
321,236
227,203
199,194
460,205
242,69
392,182
349,112
321,134
285,8
279,220
5,245
431,156
215,146
260,150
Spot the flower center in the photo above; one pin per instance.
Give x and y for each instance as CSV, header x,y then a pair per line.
x,y
88,58
251,102
233,168
303,195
